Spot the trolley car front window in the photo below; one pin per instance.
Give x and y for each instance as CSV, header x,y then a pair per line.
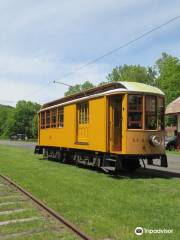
x,y
135,113
151,113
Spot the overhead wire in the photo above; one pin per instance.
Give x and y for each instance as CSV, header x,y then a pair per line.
x,y
109,53
122,46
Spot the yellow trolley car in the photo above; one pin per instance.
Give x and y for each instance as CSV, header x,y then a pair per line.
x,y
114,125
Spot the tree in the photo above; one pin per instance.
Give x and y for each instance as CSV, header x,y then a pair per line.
x,y
35,127
9,125
78,88
21,119
133,73
24,115
168,69
6,113
102,83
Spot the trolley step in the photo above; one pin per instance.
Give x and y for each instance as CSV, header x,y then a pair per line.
x,y
110,160
108,169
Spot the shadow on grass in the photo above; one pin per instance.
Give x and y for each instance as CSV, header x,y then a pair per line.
x,y
146,174
142,173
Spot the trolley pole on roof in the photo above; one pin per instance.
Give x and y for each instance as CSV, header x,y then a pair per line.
x,y
68,85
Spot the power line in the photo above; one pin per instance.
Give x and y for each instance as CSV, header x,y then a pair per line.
x,y
111,52
122,46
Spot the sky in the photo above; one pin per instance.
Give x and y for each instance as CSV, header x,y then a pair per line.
x,y
44,40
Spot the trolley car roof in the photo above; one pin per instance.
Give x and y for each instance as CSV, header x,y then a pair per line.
x,y
104,90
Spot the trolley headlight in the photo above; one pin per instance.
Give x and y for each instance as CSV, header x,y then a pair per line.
x,y
155,140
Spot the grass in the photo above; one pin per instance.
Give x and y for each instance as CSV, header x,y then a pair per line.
x,y
173,152
102,206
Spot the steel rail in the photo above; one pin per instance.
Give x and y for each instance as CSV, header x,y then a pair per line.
x,y
57,216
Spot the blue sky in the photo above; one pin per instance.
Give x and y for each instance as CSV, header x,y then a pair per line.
x,y
42,41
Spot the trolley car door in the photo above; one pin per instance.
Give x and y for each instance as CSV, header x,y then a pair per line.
x,y
83,122
115,118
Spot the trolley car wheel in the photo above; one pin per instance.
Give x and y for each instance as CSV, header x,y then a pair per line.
x,y
59,156
130,164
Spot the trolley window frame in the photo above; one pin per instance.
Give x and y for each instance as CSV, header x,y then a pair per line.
x,y
83,112
140,110
150,113
161,113
48,119
60,117
53,118
42,120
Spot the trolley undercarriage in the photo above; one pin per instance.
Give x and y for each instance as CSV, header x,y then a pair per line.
x,y
105,161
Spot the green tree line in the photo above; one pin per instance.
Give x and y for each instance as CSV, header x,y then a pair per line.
x,y
21,119
164,74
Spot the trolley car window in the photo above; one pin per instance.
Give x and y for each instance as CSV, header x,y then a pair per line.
x,y
42,119
160,113
53,118
83,110
151,113
47,119
60,117
135,106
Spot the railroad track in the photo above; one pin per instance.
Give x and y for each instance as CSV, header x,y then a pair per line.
x,y
25,196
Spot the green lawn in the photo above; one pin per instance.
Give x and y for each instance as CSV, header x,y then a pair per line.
x,y
102,206
173,152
